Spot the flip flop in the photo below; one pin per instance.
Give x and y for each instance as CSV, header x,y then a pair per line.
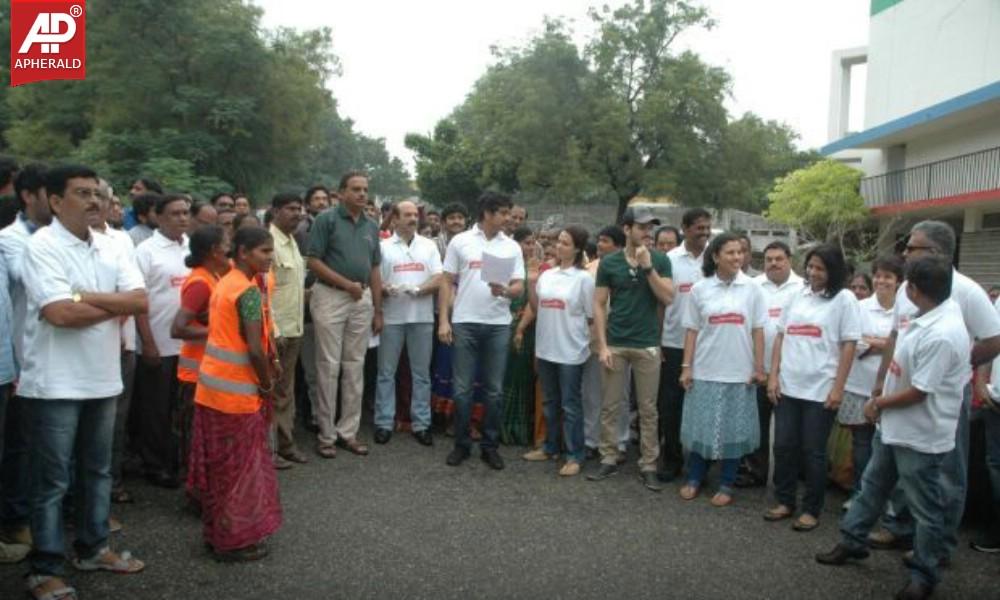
x,y
122,562
803,526
38,583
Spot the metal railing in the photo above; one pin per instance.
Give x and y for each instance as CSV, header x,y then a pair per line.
x,y
974,172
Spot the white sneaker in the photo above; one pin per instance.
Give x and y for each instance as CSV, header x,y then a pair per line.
x,y
13,553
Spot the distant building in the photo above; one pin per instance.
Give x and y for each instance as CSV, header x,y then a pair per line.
x,y
930,146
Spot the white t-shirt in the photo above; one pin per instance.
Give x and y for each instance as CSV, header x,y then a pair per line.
x,y
994,386
123,242
877,322
776,298
565,307
474,303
981,319
161,262
932,355
813,328
685,269
63,363
724,315
13,243
408,265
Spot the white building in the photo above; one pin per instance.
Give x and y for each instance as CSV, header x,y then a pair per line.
x,y
930,147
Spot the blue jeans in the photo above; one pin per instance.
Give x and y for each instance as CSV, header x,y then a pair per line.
x,y
562,388
64,431
801,428
991,420
15,471
954,483
486,346
918,475
697,467
861,451
419,338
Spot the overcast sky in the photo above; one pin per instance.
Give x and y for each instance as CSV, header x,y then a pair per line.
x,y
407,64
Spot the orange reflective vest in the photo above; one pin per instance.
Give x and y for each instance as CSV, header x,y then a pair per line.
x,y
227,381
193,350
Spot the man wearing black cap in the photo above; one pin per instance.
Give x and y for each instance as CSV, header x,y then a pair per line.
x,y
637,282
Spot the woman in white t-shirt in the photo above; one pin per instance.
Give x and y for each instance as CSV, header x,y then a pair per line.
x,y
723,359
563,300
813,354
876,325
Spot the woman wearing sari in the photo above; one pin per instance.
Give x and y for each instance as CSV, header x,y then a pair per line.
x,y
230,460
519,381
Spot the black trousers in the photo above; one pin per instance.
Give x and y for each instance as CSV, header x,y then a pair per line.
x,y
670,406
758,463
153,412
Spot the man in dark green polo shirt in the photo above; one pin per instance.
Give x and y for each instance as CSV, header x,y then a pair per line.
x,y
636,281
346,306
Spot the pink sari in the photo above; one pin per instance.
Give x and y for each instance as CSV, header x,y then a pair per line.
x,y
233,478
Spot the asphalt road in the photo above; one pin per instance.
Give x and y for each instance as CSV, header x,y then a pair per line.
x,y
401,524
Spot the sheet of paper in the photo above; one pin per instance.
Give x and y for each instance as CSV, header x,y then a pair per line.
x,y
497,269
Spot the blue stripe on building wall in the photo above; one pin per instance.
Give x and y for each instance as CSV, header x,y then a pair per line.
x,y
880,5
966,101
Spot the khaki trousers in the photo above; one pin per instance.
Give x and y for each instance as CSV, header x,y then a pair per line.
x,y
343,327
284,394
645,363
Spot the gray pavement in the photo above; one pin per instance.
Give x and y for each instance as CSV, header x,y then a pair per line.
x,y
401,524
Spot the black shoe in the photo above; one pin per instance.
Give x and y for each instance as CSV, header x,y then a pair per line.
x,y
163,479
603,473
987,545
840,555
592,454
651,481
492,458
424,438
457,456
914,591
382,436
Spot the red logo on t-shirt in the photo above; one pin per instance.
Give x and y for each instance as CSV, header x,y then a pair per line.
x,y
806,330
475,264
408,267
685,287
904,322
774,313
726,319
177,280
895,369
554,303
47,40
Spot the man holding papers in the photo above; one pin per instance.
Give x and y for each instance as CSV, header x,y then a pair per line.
x,y
490,271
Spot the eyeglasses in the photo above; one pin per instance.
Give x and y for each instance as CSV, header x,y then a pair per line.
x,y
911,248
88,193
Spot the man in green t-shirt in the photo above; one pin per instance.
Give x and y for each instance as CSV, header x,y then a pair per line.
x,y
637,283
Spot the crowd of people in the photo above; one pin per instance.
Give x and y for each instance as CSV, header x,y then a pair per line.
x,y
165,339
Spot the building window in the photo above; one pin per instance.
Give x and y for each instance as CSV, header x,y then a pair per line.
x,y
991,220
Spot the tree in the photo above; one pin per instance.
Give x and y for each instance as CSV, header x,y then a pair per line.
x,y
821,201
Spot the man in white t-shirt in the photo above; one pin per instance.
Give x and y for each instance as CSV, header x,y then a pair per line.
x,y
98,222
78,286
29,186
161,261
936,238
411,273
478,325
989,541
685,263
779,283
919,412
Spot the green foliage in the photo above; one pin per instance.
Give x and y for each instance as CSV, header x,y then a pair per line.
x,y
626,116
821,201
195,93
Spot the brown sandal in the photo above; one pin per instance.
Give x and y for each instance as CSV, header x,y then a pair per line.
x,y
778,513
689,492
721,499
805,522
326,451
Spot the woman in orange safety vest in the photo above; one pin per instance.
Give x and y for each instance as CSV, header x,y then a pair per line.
x,y
230,462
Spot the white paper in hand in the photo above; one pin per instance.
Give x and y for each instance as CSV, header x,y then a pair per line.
x,y
497,269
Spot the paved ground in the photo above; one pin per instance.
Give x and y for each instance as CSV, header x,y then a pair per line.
x,y
401,524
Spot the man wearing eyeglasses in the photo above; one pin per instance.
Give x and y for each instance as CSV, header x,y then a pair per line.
x,y
936,238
